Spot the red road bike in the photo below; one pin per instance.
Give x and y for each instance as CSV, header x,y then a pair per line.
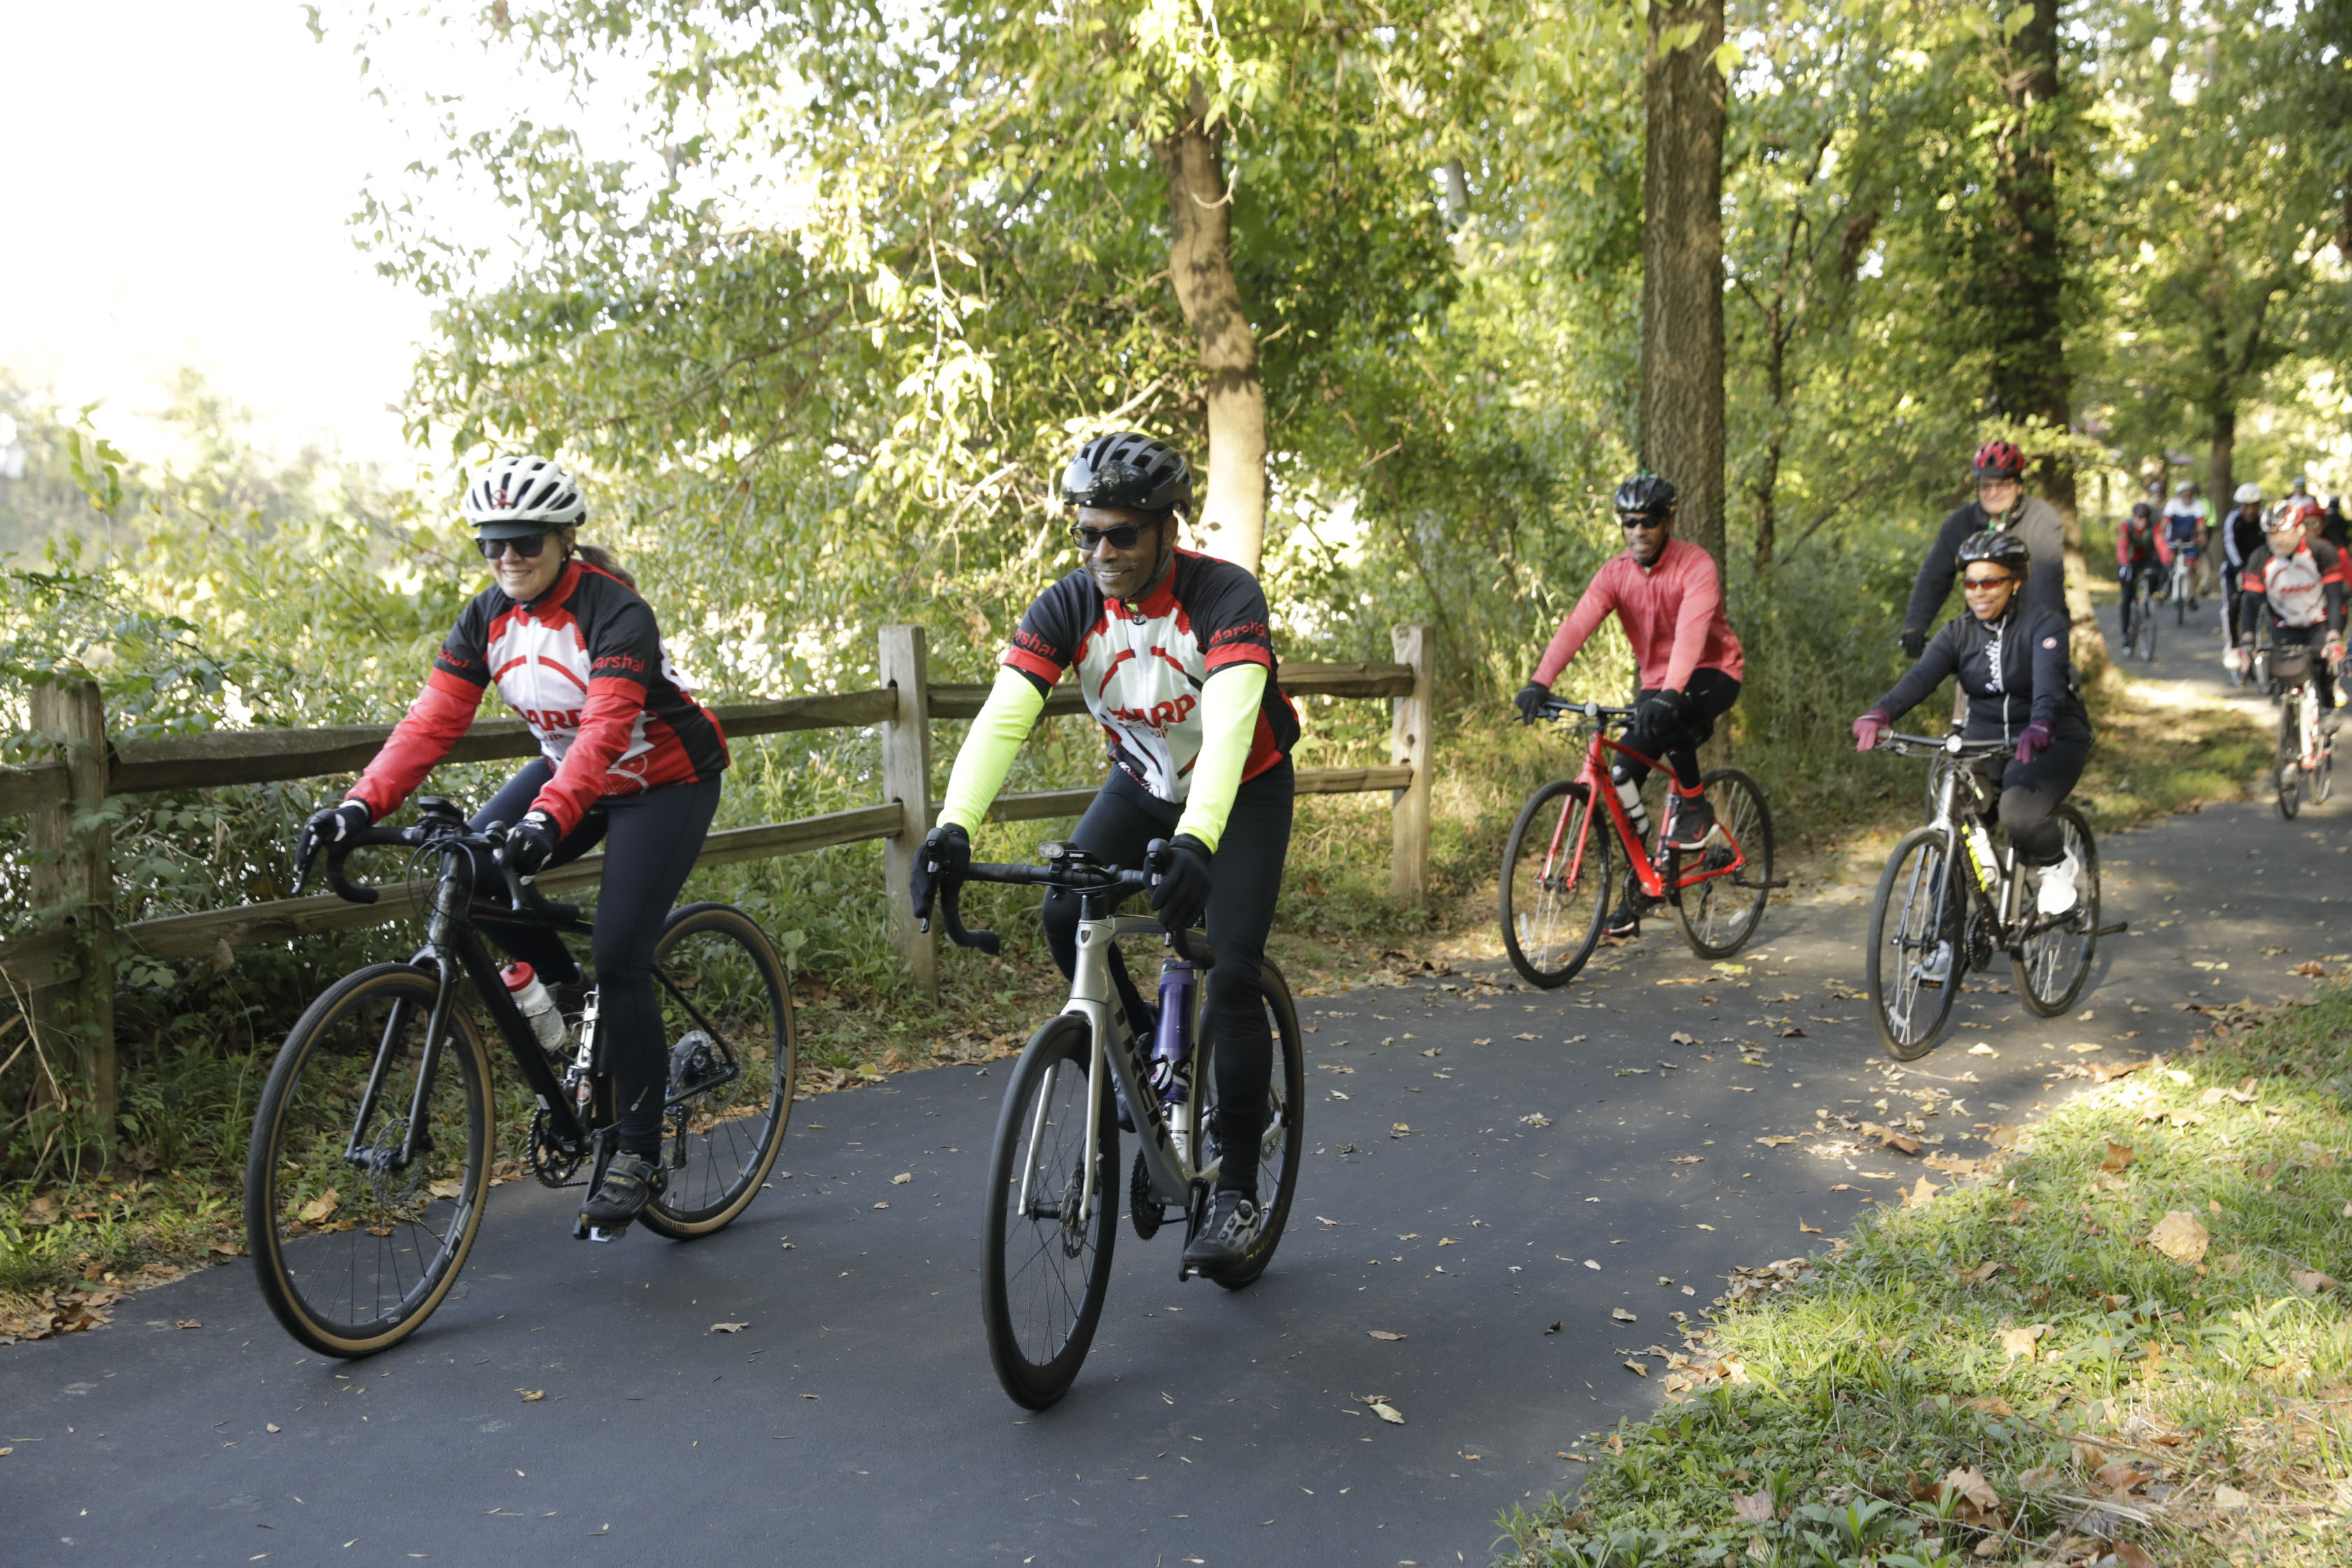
x,y
1556,873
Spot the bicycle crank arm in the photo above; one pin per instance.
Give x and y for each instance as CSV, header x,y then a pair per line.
x,y
2116,929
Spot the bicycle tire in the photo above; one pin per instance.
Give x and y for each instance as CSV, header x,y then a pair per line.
x,y
1930,896
1541,914
1280,1146
2323,772
1038,1329
2050,967
720,1142
1718,916
307,1207
2286,767
2146,632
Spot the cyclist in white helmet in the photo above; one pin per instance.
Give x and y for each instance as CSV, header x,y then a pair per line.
x,y
627,757
2241,535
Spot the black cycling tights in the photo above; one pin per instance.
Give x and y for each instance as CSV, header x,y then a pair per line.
x,y
1245,877
1711,693
2029,792
650,844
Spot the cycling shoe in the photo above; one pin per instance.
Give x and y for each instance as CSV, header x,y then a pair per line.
x,y
631,1182
1226,1237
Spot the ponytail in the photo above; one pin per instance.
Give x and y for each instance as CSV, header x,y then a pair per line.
x,y
602,559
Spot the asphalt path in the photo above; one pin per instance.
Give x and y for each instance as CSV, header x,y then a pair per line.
x,y
1482,1162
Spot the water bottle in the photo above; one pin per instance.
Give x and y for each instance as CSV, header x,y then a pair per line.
x,y
1171,1043
531,994
1629,796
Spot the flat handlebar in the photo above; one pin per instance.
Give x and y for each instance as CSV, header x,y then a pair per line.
x,y
1948,745
1596,711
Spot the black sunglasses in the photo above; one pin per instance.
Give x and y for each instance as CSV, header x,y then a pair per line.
x,y
1992,582
1640,519
1121,536
528,547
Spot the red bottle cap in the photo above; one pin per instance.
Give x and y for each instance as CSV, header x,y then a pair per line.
x,y
516,976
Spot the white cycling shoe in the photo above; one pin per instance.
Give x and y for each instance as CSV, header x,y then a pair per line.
x,y
2058,893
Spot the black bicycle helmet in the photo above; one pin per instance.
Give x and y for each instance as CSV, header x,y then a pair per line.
x,y
1128,468
1645,495
2003,549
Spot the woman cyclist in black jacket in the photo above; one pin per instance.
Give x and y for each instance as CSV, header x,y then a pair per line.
x,y
2010,660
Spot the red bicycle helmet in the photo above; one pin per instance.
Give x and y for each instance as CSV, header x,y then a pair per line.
x,y
2000,460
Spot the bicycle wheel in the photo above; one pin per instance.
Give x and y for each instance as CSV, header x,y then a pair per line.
x,y
1914,961
2287,766
1045,1252
1718,915
727,1014
1555,884
2052,963
1279,1145
2145,630
355,1244
2323,772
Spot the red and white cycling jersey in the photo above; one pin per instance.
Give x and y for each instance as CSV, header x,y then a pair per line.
x,y
1140,666
583,665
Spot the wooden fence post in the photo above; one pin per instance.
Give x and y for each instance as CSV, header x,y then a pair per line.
x,y
1410,746
907,784
73,874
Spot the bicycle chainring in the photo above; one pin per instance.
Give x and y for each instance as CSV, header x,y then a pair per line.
x,y
1144,1209
1976,940
552,1166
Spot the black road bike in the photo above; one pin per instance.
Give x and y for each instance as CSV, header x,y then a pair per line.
x,y
372,1154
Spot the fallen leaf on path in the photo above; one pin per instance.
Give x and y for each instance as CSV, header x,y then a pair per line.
x,y
1383,1334
1687,1160
2316,970
1754,1508
728,1328
319,1207
881,1205
191,1322
2085,1046
1553,1330
1387,1412
532,1395
2018,1344
902,1178
1434,1049
2118,1157
1642,1367
1809,1229
1622,1316
1919,1196
273,1426
1537,1119
1398,1129
1706,1227
1775,1142
1981,1050
1792,1033
2180,1236
1447,1241
1513,1036
1680,1038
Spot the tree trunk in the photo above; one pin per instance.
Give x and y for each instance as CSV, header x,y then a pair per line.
x,y
1201,266
2225,453
1681,267
2028,281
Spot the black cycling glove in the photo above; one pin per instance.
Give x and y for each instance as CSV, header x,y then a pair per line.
x,y
1915,642
1180,884
329,824
530,844
1531,700
1665,711
946,851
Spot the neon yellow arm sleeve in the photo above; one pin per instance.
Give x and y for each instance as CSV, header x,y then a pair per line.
x,y
1005,722
1229,707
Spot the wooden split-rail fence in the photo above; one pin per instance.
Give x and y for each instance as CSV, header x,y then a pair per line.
x,y
65,975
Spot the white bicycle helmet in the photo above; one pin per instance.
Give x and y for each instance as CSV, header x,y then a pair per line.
x,y
515,497
2249,494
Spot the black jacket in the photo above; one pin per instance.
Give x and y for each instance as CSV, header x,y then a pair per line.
x,y
2036,522
2029,646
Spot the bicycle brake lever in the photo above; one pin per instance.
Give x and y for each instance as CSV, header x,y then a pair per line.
x,y
344,889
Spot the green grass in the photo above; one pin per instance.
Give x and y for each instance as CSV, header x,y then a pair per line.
x,y
2188,1410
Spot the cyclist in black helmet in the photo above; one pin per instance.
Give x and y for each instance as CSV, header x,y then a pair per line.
x,y
2009,658
1175,656
2000,505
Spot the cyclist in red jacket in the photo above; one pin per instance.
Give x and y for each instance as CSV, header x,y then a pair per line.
x,y
628,758
1669,598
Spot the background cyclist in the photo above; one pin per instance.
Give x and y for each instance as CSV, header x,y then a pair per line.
x,y
2000,504
2294,589
1669,598
2241,535
1175,656
627,757
2010,660
2140,553
2184,531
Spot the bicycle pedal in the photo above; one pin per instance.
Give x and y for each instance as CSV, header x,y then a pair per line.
x,y
584,1231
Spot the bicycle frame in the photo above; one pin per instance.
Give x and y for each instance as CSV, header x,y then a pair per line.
x,y
1596,780
1992,880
